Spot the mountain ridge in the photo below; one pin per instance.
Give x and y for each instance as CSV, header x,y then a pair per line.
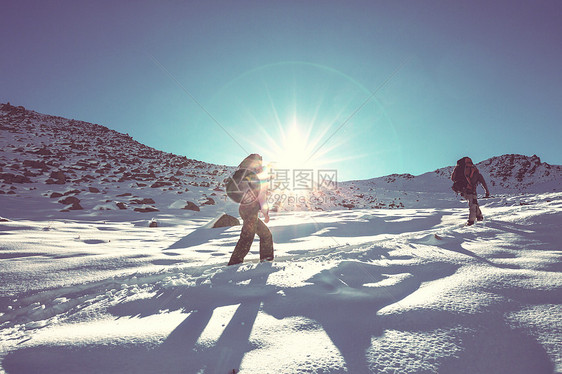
x,y
105,170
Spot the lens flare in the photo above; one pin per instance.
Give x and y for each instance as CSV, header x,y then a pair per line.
x,y
299,115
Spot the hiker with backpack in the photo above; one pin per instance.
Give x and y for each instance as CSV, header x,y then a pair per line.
x,y
252,199
466,178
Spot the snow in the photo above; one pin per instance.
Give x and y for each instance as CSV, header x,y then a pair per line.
x,y
397,284
385,290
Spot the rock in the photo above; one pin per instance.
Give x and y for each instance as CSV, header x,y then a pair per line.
x,y
210,201
44,152
161,184
147,200
226,221
70,200
35,164
153,223
72,192
56,177
146,209
76,206
191,206
121,206
93,190
2,219
125,194
56,195
12,178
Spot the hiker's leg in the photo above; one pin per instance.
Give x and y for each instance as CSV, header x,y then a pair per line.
x,y
472,207
266,241
479,215
245,242
466,196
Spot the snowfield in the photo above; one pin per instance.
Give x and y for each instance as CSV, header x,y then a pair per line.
x,y
350,291
109,264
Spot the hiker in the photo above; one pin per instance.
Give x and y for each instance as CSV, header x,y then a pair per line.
x,y
253,202
466,178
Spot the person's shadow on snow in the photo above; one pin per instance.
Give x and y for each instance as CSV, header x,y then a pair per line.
x,y
339,299
345,300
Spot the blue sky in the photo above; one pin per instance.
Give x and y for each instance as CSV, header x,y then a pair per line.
x,y
284,78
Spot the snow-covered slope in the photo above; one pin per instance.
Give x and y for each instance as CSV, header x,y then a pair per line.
x,y
56,164
51,165
356,291
352,289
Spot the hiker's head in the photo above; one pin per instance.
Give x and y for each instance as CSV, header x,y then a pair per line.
x,y
468,161
253,162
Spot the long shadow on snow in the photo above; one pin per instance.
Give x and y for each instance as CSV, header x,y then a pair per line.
x,y
489,345
344,300
372,225
179,353
197,237
455,245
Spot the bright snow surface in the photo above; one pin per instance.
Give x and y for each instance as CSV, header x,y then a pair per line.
x,y
356,291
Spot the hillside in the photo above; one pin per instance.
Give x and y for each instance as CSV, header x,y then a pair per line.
x,y
89,285
75,165
51,165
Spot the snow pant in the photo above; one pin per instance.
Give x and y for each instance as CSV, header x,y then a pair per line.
x,y
252,225
474,211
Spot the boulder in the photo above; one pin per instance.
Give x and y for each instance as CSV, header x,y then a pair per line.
x,y
121,206
12,178
191,206
226,221
76,206
44,152
210,201
56,177
93,190
147,209
56,195
36,164
147,200
161,184
69,200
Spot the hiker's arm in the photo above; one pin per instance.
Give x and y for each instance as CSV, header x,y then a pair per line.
x,y
264,207
484,185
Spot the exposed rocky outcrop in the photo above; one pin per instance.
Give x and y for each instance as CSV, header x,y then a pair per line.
x,y
226,221
191,206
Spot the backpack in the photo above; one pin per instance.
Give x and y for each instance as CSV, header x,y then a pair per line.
x,y
459,179
243,186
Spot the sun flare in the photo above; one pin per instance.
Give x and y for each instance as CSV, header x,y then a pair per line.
x,y
293,150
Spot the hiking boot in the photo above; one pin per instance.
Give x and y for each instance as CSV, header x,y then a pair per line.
x,y
480,218
470,223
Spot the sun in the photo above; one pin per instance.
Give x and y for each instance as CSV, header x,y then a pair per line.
x,y
294,149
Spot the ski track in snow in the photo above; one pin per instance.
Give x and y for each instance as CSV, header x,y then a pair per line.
x,y
357,291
